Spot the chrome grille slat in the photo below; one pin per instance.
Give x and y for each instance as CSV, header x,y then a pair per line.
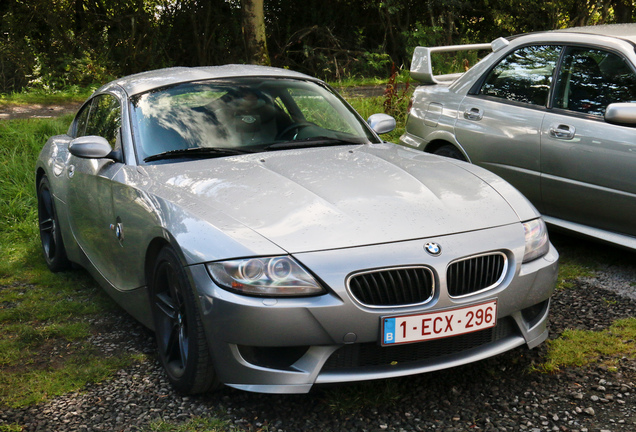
x,y
392,287
474,274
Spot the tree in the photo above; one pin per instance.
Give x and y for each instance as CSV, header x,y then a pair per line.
x,y
254,32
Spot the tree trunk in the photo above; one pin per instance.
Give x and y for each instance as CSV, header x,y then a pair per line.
x,y
254,32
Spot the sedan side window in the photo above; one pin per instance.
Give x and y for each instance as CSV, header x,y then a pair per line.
x,y
591,79
523,76
105,118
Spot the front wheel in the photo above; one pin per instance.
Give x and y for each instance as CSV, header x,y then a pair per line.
x,y
183,349
450,151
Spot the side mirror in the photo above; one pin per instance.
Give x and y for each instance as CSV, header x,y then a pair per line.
x,y
623,113
381,123
90,147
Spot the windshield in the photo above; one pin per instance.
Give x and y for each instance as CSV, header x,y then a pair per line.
x,y
255,114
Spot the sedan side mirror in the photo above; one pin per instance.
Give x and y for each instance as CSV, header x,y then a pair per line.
x,y
381,123
623,113
90,147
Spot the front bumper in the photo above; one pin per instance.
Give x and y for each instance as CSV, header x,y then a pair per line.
x,y
286,345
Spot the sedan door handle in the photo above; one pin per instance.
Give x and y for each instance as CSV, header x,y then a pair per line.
x,y
562,131
473,114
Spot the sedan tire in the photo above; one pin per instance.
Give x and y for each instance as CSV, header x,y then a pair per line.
x,y
181,342
450,151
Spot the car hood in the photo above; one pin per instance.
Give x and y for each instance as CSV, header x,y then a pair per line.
x,y
335,197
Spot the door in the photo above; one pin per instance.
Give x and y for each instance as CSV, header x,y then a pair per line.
x,y
90,186
499,123
589,165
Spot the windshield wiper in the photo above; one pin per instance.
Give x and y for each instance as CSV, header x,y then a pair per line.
x,y
320,141
209,152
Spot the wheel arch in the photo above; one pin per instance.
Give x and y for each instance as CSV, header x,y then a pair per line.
x,y
39,173
152,251
438,143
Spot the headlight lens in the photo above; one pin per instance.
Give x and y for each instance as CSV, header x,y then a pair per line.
x,y
271,277
537,242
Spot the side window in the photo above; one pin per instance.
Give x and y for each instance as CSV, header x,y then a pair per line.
x,y
591,79
105,118
524,75
80,121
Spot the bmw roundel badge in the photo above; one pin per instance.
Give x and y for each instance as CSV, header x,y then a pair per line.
x,y
433,248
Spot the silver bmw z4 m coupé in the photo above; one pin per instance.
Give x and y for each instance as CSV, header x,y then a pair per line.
x,y
273,241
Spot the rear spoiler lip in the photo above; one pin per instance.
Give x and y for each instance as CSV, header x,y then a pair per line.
x,y
422,67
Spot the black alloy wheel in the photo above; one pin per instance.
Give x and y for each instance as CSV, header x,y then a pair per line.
x,y
183,349
50,235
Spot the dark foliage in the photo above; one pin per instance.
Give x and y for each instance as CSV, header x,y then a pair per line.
x,y
56,44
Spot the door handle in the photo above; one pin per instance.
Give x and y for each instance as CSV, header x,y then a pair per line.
x,y
562,131
473,114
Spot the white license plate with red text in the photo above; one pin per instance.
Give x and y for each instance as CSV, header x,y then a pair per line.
x,y
436,325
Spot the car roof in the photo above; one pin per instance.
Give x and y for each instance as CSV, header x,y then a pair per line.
x,y
144,81
619,31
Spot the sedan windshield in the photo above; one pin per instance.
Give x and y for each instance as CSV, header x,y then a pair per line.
x,y
245,114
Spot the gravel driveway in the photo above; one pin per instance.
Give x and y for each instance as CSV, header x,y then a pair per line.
x,y
497,394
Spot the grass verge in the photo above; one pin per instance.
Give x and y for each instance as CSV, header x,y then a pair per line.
x,y
580,347
40,313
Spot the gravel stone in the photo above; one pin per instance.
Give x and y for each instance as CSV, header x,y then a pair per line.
x,y
497,394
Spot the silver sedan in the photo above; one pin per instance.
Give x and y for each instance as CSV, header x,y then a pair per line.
x,y
550,112
273,241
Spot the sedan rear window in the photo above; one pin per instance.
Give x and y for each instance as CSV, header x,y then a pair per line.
x,y
523,76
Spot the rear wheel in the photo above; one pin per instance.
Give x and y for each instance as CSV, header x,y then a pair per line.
x,y
450,151
183,349
50,235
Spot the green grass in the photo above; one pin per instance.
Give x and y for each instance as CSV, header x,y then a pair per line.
x,y
194,425
37,384
39,310
367,106
581,347
69,95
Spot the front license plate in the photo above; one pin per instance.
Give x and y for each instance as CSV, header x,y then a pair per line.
x,y
436,325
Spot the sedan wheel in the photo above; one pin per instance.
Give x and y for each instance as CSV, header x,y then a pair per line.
x,y
50,235
450,151
181,342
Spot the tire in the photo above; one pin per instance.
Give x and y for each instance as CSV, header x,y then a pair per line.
x,y
50,234
450,151
181,343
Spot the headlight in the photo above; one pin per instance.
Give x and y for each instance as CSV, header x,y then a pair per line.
x,y
272,277
537,242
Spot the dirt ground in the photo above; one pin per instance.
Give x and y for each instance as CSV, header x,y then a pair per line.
x,y
10,112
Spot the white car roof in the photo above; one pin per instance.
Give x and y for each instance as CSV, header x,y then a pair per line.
x,y
621,31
